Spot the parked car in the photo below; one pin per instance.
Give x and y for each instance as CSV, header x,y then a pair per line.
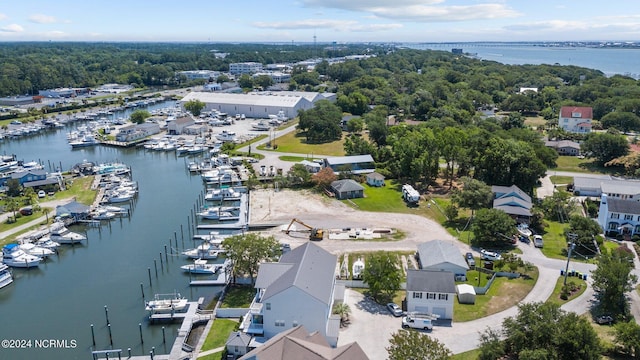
x,y
394,309
27,210
604,319
489,255
537,241
41,194
470,260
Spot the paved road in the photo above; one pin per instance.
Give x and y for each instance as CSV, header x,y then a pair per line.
x,y
49,204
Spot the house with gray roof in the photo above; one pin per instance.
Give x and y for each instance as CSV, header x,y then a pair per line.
x,y
513,201
375,179
431,292
564,147
442,255
355,164
238,343
347,189
619,216
298,343
620,189
303,279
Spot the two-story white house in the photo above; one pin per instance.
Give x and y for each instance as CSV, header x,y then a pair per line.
x,y
299,289
619,216
575,119
431,292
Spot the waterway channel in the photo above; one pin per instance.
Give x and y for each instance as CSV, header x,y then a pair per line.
x,y
65,295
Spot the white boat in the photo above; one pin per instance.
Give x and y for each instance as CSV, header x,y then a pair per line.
x,y
523,229
227,193
219,213
14,257
204,251
201,266
59,233
166,303
261,126
47,243
35,250
120,196
5,276
226,135
102,214
357,268
196,149
85,141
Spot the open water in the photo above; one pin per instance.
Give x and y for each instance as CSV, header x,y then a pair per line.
x,y
65,295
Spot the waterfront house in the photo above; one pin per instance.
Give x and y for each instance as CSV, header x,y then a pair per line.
x,y
441,255
431,292
619,216
375,179
303,279
575,119
298,343
513,201
311,166
136,132
238,343
177,126
355,164
347,189
74,210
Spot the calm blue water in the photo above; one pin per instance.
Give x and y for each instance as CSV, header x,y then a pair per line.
x,y
62,298
610,61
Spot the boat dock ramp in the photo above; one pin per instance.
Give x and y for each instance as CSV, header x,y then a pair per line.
x,y
222,279
239,224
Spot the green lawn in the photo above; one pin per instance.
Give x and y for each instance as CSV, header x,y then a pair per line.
x,y
292,158
555,296
561,180
382,199
80,189
238,296
554,240
219,333
293,142
469,355
574,164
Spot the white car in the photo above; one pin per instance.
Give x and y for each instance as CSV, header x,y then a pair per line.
x,y
489,255
41,194
537,241
394,309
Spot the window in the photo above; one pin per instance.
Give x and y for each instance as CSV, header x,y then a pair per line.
x,y
280,323
417,295
443,296
615,216
613,226
628,217
431,296
295,323
268,306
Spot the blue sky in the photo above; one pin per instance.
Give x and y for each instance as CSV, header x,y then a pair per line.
x,y
328,20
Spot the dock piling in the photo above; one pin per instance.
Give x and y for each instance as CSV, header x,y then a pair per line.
x,y
149,272
140,328
142,290
93,336
155,265
164,341
106,314
110,336
161,263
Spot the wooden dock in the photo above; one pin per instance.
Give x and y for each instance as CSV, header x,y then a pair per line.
x,y
222,278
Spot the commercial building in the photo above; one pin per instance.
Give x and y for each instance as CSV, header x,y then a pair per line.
x,y
245,68
200,74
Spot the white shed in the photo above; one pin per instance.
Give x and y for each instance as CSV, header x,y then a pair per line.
x,y
466,294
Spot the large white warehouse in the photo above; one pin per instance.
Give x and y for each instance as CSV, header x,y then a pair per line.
x,y
259,104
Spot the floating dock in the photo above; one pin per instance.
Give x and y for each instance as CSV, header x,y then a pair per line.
x,y
220,280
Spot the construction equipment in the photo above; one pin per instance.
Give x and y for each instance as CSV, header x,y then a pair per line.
x,y
315,233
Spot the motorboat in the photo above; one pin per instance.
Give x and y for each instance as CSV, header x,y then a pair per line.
x,y
227,193
122,195
226,135
85,141
102,214
58,232
47,243
166,303
14,257
5,276
220,213
204,251
35,250
261,126
357,268
120,211
201,266
524,230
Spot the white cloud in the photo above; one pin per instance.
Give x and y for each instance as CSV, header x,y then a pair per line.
x,y
305,24
55,34
374,27
42,19
3,16
421,10
12,28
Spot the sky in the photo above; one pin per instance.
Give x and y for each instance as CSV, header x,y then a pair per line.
x,y
279,21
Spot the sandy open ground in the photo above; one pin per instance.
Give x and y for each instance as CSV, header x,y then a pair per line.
x,y
279,207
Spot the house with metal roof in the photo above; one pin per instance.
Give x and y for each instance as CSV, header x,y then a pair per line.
x,y
442,255
575,119
375,179
614,188
564,147
355,164
298,343
431,292
513,201
347,189
303,279
619,216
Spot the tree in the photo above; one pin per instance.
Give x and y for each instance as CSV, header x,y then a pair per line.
x,y
356,145
611,280
412,345
627,334
355,125
321,123
248,251
382,274
194,107
582,231
343,310
12,205
543,331
264,81
474,195
624,121
13,187
605,147
139,116
324,178
557,206
245,82
222,79
493,226
298,175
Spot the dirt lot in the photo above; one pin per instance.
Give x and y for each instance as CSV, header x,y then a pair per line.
x,y
279,207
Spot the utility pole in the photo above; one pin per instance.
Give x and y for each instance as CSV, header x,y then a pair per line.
x,y
572,244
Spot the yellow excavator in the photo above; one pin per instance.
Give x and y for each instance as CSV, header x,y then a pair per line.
x,y
315,233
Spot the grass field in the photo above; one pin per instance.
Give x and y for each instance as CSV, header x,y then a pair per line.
x,y
295,143
219,333
503,294
238,297
574,164
383,199
468,355
292,158
561,180
554,240
535,121
555,296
